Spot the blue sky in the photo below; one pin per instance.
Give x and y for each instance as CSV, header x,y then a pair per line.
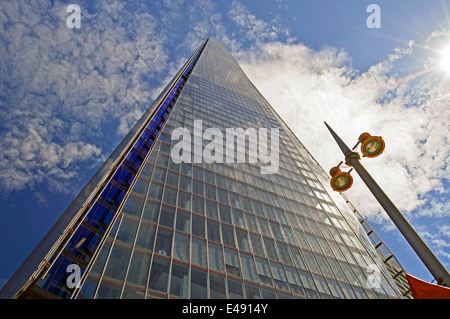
x,y
68,96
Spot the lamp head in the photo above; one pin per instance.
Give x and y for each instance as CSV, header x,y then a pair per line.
x,y
340,181
371,146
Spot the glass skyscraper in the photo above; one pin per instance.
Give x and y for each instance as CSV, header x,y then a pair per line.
x,y
148,226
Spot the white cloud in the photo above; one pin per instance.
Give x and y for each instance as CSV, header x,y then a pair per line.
x,y
254,28
58,86
309,87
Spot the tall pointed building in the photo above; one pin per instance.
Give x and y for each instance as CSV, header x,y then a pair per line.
x,y
259,221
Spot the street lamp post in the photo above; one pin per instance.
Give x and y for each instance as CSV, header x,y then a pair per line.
x,y
423,251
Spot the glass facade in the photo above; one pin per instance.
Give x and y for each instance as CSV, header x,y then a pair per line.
x,y
204,229
224,230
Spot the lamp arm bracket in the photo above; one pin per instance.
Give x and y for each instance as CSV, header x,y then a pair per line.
x,y
349,155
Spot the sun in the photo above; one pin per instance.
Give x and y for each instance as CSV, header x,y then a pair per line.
x,y
445,59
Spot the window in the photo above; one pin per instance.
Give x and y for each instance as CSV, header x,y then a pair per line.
x,y
217,286
242,238
183,221
294,281
215,257
276,230
257,245
252,291
127,230
198,284
118,262
139,268
198,187
210,191
141,186
232,262
155,190
184,200
159,274
198,226
270,248
238,218
213,231
181,247
223,197
146,236
211,209
159,174
228,235
235,289
198,205
179,283
167,216
248,267
279,276
109,290
225,213
133,205
284,253
264,226
198,252
170,196
263,271
185,183
163,244
251,222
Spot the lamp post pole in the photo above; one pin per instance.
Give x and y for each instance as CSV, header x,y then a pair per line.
x,y
423,251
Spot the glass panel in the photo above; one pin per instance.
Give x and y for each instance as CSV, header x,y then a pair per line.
x,y
257,244
88,289
228,235
133,293
183,221
198,226
270,248
217,286
146,236
184,200
198,252
118,262
269,294
133,205
139,269
127,230
163,244
159,274
251,222
215,257
238,218
252,291
108,290
248,267
235,289
198,205
170,196
211,209
151,211
278,276
225,215
181,247
198,284
167,216
242,238
213,231
232,262
179,282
